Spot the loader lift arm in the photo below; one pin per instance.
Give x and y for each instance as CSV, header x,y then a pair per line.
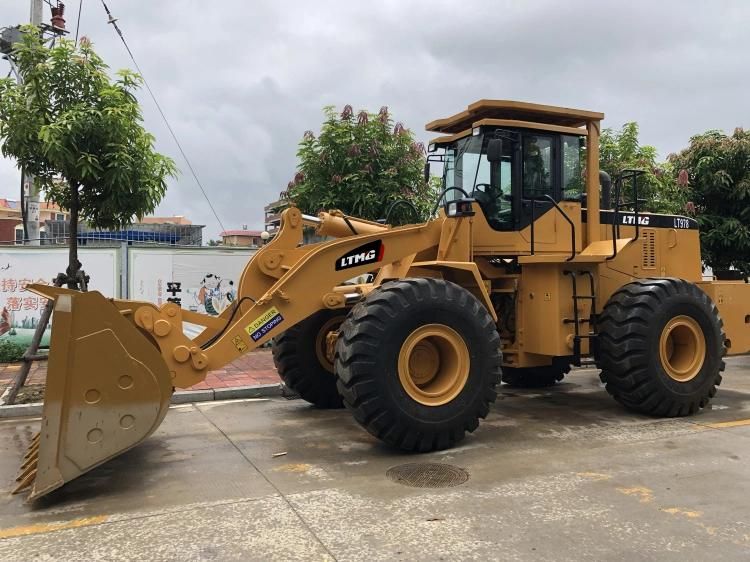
x,y
308,282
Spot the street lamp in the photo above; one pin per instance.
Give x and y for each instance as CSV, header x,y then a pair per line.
x,y
265,236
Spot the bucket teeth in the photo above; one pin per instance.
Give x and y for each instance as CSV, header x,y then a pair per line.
x,y
33,449
27,473
31,460
26,482
27,468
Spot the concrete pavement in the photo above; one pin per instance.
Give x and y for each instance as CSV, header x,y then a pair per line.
x,y
563,474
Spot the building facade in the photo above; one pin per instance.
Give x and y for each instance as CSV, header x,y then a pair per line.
x,y
11,220
273,212
243,238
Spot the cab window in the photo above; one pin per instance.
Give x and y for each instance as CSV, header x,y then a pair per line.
x,y
537,165
467,167
572,174
502,216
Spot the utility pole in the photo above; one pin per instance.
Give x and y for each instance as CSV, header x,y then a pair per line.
x,y
30,192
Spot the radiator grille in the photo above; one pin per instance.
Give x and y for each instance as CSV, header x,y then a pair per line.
x,y
649,248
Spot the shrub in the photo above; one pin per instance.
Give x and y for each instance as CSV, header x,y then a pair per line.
x,y
10,351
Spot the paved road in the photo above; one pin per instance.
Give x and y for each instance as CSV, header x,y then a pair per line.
x,y
564,474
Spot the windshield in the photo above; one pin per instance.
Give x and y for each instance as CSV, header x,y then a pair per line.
x,y
465,167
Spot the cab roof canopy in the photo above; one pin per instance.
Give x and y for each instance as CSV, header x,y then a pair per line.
x,y
513,110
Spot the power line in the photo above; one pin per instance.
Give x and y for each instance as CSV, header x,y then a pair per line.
x,y
78,23
113,21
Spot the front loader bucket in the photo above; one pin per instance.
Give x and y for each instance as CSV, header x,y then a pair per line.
x,y
108,389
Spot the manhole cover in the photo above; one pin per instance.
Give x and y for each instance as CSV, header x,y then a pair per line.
x,y
427,475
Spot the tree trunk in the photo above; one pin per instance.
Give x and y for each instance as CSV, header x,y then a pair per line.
x,y
73,264
32,354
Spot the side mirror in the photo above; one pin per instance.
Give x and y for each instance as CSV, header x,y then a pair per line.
x,y
495,150
426,172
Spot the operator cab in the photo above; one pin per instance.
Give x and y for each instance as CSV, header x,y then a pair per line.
x,y
512,155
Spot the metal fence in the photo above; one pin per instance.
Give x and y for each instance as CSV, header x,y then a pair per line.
x,y
57,233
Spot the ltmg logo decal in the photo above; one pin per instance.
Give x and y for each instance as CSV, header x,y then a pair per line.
x,y
264,323
372,252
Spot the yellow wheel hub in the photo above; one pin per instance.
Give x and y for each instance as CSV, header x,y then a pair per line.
x,y
682,348
321,341
433,364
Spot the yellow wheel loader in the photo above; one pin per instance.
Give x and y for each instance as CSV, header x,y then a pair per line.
x,y
534,263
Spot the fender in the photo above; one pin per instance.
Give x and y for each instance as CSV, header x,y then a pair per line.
x,y
465,273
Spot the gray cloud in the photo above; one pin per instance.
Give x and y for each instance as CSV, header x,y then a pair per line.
x,y
241,81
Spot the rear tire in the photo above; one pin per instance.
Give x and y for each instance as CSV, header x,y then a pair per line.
x,y
417,363
299,356
534,377
661,343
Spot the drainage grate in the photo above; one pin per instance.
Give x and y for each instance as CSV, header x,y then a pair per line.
x,y
427,475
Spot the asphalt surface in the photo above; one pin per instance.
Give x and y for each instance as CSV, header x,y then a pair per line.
x,y
561,474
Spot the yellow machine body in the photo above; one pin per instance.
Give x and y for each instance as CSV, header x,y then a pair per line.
x,y
114,363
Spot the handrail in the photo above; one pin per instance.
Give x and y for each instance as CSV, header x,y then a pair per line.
x,y
623,175
547,197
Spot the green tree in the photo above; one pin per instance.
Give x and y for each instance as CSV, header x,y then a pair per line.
x,y
69,121
621,150
361,164
714,172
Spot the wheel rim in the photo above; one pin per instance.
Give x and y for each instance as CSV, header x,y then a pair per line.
x,y
433,364
320,341
682,348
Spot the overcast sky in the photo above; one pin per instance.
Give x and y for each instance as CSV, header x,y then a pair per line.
x,y
241,81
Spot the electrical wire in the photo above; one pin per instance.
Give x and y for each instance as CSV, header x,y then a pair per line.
x,y
211,341
113,21
78,23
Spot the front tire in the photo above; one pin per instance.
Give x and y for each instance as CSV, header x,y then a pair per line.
x,y
417,363
300,359
661,343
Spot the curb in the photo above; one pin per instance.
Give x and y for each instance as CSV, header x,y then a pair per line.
x,y
255,391
179,397
21,410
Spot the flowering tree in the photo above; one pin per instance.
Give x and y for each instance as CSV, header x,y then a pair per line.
x,y
714,172
362,164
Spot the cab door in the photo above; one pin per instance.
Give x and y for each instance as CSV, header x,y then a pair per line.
x,y
539,178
